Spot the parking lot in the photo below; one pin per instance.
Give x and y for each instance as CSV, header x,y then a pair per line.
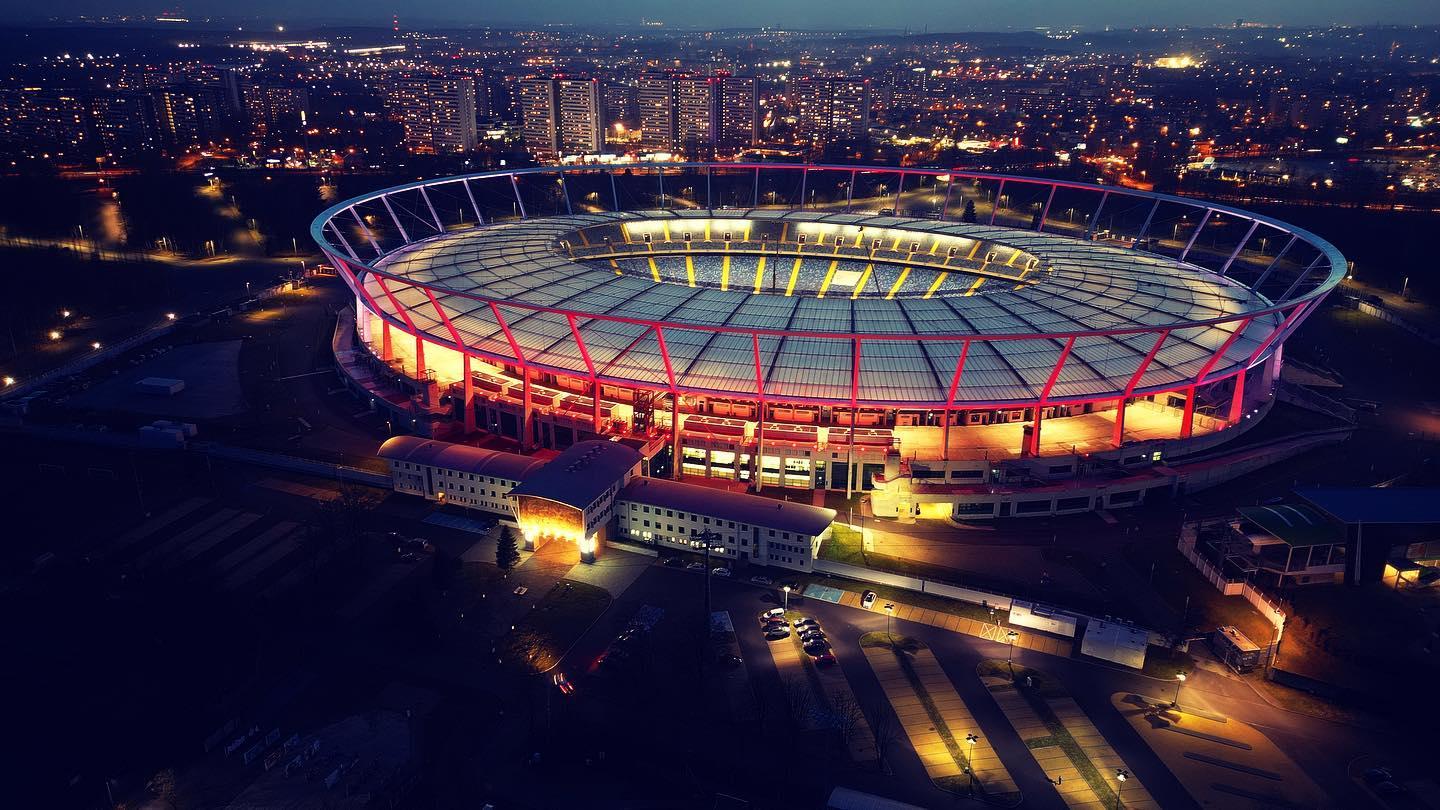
x,y
799,701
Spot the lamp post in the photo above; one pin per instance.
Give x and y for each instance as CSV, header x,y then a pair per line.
x,y
1010,636
1179,681
1120,776
970,740
704,540
889,616
786,589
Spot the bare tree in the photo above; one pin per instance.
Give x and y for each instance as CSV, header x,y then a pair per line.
x,y
846,713
882,727
798,699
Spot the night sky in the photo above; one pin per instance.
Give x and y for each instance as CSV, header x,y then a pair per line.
x,y
938,15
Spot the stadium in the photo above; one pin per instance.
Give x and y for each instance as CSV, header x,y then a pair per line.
x,y
956,343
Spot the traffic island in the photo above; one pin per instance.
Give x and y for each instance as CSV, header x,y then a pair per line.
x,y
1218,759
940,727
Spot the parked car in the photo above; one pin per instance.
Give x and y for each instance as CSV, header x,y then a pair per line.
x,y
772,624
808,621
813,636
695,566
720,572
772,613
762,580
776,633
672,561
824,659
814,648
867,599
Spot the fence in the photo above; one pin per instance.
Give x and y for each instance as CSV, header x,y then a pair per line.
x,y
1387,316
972,595
1265,605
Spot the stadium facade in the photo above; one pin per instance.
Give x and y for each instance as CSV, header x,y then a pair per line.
x,y
957,343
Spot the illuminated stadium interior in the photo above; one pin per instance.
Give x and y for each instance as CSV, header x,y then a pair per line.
x,y
942,342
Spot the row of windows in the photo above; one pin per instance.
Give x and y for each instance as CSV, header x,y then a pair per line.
x,y
729,524
444,473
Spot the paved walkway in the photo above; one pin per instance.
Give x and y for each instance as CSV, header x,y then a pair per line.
x,y
613,570
1027,640
925,734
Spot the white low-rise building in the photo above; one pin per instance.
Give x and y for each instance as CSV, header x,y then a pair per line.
x,y
594,491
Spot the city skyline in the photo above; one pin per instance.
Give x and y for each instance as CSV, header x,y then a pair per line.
x,y
933,16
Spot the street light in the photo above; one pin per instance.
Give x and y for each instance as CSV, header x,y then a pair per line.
x,y
889,616
1120,776
1010,636
1179,681
971,739
786,589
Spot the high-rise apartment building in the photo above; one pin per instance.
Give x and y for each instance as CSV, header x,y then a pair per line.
x,y
540,117
192,115
655,98
832,109
697,115
562,116
124,123
437,112
582,117
269,104
739,112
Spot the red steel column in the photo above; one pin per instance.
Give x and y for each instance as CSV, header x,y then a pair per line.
x,y
950,399
469,396
675,434
1034,444
1119,437
387,349
1237,399
1187,418
759,459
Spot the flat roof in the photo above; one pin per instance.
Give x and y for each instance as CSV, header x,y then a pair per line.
x,y
581,474
753,509
1376,504
460,457
1294,524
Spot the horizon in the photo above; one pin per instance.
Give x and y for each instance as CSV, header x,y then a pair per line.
x,y
928,16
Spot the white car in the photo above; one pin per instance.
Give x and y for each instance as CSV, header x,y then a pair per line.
x,y
720,572
867,599
762,580
773,613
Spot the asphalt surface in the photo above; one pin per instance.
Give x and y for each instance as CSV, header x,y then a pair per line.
x,y
1320,747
